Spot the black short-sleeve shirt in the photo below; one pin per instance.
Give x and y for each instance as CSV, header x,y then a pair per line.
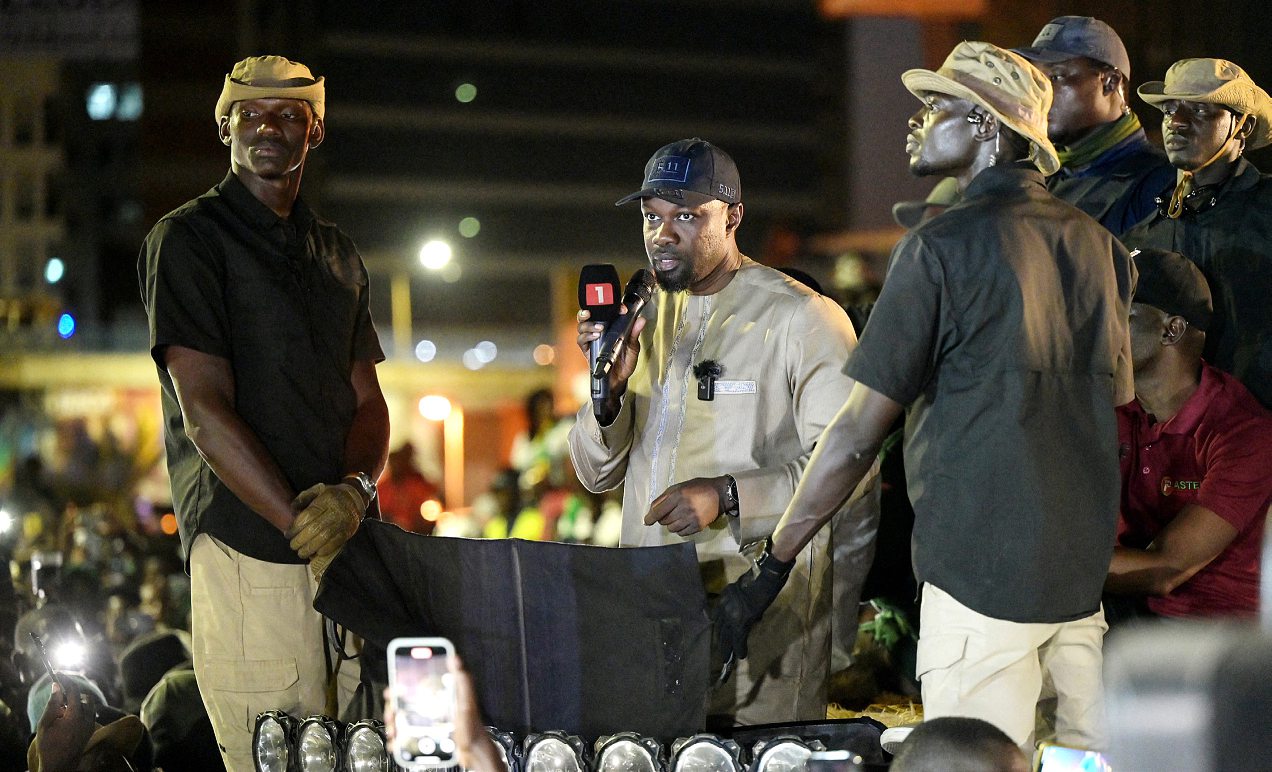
x,y
1000,326
285,301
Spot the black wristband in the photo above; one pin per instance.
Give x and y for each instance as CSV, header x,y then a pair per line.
x,y
768,564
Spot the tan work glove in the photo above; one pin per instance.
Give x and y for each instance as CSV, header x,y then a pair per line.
x,y
318,566
326,517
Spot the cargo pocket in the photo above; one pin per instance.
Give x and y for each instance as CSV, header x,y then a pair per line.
x,y
936,659
236,691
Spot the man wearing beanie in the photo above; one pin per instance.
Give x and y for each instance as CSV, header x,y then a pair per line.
x,y
1194,449
724,386
1108,168
1001,330
275,425
1219,212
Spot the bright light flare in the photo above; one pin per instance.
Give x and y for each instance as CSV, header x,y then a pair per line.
x,y
435,255
68,655
435,407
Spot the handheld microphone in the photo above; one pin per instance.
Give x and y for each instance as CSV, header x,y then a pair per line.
x,y
598,295
639,289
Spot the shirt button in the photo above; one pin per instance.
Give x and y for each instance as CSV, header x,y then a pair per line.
x,y
1145,470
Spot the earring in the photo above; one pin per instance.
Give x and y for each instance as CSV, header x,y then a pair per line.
x,y
993,159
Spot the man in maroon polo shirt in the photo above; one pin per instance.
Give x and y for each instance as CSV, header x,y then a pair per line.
x,y
1194,448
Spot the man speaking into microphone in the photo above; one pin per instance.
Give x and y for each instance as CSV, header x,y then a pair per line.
x,y
714,403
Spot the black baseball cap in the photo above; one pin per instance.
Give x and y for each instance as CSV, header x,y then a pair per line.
x,y
1068,37
1172,283
690,172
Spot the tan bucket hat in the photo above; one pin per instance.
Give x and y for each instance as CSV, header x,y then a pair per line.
x,y
1216,82
1004,83
271,77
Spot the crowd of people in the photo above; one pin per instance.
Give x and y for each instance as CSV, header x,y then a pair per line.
x,y
1073,338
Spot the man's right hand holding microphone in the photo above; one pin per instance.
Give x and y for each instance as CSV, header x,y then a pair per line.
x,y
623,367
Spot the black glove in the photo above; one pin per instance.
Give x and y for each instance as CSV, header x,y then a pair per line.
x,y
742,604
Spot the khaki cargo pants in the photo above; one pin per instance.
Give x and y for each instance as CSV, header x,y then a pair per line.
x,y
1009,673
258,644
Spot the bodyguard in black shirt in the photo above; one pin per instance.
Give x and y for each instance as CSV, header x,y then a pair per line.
x,y
275,426
1001,330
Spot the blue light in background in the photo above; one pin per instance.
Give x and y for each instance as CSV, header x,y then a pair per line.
x,y
66,326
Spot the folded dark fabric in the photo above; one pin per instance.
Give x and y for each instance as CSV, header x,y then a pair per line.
x,y
588,640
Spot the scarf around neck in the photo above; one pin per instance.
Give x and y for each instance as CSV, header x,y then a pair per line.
x,y
1098,142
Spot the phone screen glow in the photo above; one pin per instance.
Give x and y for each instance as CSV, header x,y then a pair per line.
x,y
1057,758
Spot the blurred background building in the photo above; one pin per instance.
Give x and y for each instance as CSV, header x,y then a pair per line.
x,y
485,139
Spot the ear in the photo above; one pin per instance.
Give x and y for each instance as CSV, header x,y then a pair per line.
x,y
1247,128
733,218
223,130
1173,329
317,133
1111,81
988,126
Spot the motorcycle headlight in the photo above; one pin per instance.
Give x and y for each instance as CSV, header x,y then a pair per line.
x,y
364,747
271,741
628,752
316,745
554,752
783,754
705,753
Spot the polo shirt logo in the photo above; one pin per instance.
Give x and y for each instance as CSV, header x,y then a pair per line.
x,y
1169,486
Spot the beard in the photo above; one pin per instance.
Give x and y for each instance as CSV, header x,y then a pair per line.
x,y
677,279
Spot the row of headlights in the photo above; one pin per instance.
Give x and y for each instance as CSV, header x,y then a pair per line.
x,y
282,743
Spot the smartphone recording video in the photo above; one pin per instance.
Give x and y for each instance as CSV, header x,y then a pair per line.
x,y
422,688
1058,758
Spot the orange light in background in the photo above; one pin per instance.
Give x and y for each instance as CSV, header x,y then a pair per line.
x,y
544,354
917,9
435,407
168,524
431,510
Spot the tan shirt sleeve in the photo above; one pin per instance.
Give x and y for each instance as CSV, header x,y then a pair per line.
x,y
600,453
818,341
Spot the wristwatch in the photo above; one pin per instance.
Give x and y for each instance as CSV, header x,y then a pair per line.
x,y
729,504
364,483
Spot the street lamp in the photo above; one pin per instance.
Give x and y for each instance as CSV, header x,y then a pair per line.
x,y
435,254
